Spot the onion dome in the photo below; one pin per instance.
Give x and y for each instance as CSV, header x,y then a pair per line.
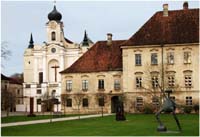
x,y
54,15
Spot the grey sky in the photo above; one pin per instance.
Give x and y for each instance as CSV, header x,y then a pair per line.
x,y
122,19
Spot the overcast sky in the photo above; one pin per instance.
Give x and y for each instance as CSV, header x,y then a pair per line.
x,y
122,19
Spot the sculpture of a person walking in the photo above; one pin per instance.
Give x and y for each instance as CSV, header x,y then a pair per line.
x,y
170,106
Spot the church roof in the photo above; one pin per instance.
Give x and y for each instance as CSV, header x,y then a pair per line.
x,y
86,40
100,57
69,41
54,15
31,42
180,26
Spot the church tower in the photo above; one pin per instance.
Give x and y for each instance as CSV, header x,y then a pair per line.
x,y
43,62
55,32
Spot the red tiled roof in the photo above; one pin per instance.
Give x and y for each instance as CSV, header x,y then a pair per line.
x,y
11,80
100,57
3,77
180,26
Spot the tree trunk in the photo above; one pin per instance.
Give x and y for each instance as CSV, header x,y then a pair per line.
x,y
64,107
102,111
79,113
7,111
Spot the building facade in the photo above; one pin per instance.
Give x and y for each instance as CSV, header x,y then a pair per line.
x,y
11,93
162,54
94,81
42,63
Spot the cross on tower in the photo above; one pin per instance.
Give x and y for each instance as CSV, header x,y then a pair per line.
x,y
55,67
54,2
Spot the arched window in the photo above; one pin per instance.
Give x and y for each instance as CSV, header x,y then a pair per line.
x,y
53,36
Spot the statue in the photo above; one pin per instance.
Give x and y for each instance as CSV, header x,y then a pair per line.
x,y
120,112
170,106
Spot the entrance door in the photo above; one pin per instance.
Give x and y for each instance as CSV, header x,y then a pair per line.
x,y
114,102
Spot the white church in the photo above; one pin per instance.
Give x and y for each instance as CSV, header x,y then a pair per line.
x,y
42,64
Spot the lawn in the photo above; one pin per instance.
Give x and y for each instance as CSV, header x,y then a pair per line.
x,y
136,125
38,117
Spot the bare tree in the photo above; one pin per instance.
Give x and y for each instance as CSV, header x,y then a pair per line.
x,y
48,100
156,81
8,100
5,52
64,98
78,97
102,99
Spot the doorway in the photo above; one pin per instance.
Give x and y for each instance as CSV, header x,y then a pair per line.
x,y
114,102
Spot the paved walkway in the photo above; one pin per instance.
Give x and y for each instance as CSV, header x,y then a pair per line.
x,y
52,120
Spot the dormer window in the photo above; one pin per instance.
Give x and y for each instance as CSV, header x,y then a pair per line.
x,y
53,36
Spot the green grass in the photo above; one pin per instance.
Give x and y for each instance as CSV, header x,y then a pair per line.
x,y
138,124
11,119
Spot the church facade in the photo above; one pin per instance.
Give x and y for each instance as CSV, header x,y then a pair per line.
x,y
162,55
42,64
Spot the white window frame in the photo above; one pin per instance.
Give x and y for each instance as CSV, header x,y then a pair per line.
x,y
188,81
138,59
187,57
117,85
154,58
188,100
170,58
84,85
138,81
69,85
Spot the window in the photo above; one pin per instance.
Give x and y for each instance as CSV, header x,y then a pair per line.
x,y
154,58
101,102
139,102
39,91
117,84
27,86
53,50
18,102
154,81
40,77
84,85
18,92
170,58
101,84
69,102
39,101
171,81
188,81
188,101
138,82
155,101
53,36
85,102
69,85
53,93
187,57
6,87
138,60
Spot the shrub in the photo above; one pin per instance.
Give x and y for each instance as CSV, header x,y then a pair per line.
x,y
148,109
196,108
187,109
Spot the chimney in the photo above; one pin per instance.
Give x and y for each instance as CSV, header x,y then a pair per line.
x,y
185,5
165,10
109,38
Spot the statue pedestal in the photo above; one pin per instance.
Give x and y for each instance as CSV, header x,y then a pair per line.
x,y
161,128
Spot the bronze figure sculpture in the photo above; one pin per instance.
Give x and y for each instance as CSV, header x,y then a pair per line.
x,y
170,106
